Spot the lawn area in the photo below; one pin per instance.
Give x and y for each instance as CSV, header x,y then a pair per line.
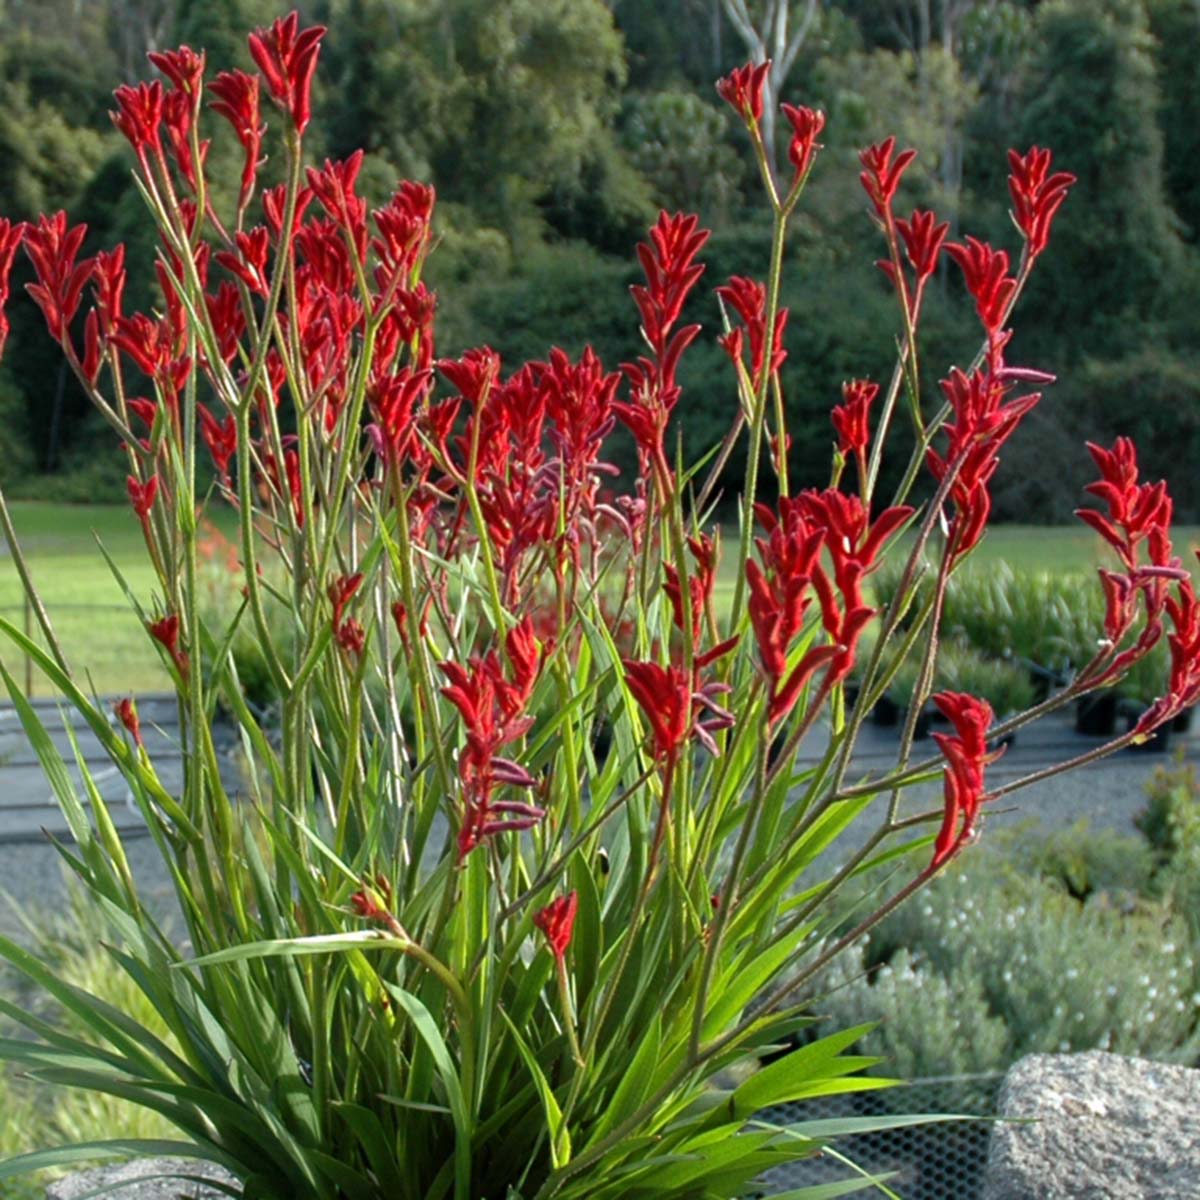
x,y
99,633
104,642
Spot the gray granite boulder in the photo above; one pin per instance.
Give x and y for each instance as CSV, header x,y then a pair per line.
x,y
143,1179
1095,1126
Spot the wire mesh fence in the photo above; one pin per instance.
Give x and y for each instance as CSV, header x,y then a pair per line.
x,y
942,1160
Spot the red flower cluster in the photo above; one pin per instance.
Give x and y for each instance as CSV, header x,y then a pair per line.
x,y
806,124
668,260
165,631
1141,513
492,704
11,236
779,589
287,57
881,174
237,101
749,300
851,420
52,248
347,631
557,922
677,706
127,714
1037,195
986,273
983,422
967,757
742,90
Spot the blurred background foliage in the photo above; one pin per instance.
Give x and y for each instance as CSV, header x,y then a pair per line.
x,y
554,129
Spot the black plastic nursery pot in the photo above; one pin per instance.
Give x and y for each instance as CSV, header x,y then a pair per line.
x,y
1183,722
886,712
1096,716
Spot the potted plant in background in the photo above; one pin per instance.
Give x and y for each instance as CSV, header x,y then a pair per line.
x,y
449,945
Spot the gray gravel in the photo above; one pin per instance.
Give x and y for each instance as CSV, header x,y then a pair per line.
x,y
1108,795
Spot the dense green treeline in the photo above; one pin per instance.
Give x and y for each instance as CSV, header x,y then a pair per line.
x,y
554,129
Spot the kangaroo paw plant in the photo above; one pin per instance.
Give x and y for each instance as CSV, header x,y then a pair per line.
x,y
524,861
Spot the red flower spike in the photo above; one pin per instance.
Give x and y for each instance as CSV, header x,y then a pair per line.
x,y
665,697
165,631
491,707
1036,194
52,247
749,300
333,186
249,264
237,101
228,318
93,355
986,273
341,591
139,115
557,922
1137,512
220,436
742,90
142,496
11,236
982,423
851,418
967,757
806,124
178,114
287,57
183,67
668,261
127,714
1183,684
351,636
923,239
474,375
881,176
108,286
676,707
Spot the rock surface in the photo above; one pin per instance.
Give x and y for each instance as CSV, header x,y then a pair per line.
x,y
144,1179
1103,1127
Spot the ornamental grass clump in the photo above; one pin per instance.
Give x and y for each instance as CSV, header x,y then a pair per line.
x,y
511,879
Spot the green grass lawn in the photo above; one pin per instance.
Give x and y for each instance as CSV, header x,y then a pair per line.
x,y
99,633
104,642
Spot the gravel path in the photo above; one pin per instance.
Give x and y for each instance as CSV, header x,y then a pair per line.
x,y
1108,795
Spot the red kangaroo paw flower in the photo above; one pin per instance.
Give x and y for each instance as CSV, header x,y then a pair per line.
x,y
287,57
139,115
881,175
141,495
52,248
11,236
237,100
851,418
966,758
923,239
749,300
806,124
127,714
1036,195
557,922
986,273
742,90
183,67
